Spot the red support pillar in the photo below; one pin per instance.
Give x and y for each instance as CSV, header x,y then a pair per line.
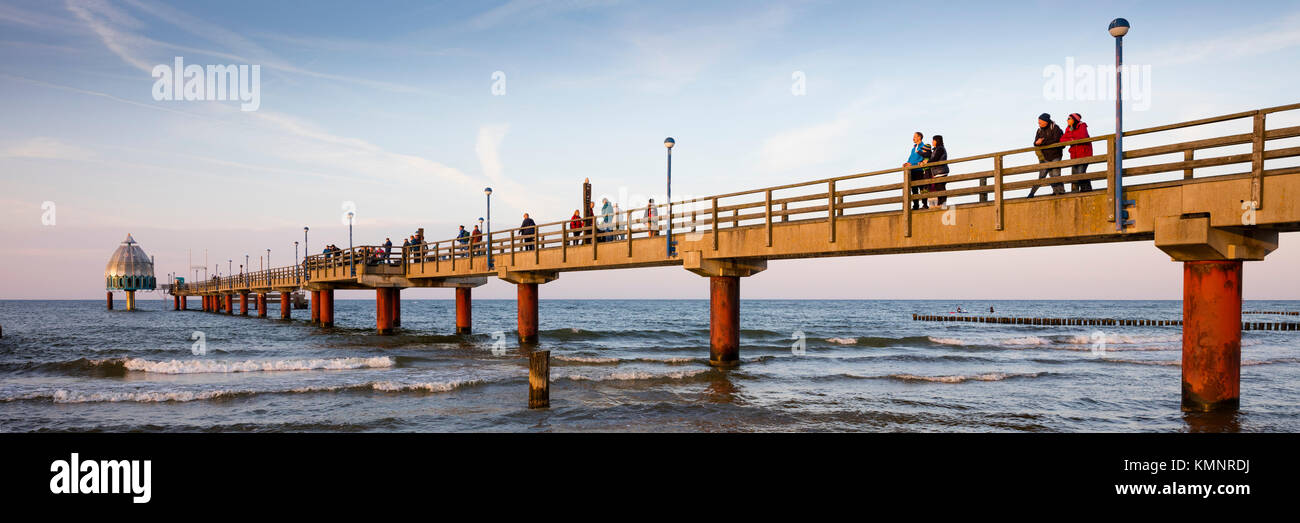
x,y
327,308
230,304
384,309
261,305
243,304
1211,335
285,305
464,310
315,306
724,321
110,300
176,302
397,307
184,306
203,303
527,311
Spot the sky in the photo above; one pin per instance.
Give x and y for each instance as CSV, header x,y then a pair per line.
x,y
405,111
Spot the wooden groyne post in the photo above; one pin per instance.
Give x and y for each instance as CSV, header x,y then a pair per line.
x,y
539,379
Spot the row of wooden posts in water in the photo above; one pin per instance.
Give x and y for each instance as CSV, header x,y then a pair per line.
x,y
1246,326
1283,313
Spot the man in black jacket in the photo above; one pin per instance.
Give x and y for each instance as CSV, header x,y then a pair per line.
x,y
1048,134
528,228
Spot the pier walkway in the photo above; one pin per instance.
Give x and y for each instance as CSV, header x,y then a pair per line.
x,y
1211,202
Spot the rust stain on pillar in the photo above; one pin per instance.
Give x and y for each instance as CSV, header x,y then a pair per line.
x,y
724,321
464,310
526,304
1211,335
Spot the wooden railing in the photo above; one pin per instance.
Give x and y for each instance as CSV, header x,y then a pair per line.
x,y
981,179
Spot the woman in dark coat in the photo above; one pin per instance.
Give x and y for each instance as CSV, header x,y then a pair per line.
x,y
937,154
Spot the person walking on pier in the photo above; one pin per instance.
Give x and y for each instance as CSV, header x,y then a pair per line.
x,y
1048,133
1075,129
528,228
652,218
914,159
937,154
606,218
476,239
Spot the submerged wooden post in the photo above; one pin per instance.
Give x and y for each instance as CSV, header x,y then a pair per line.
x,y
539,379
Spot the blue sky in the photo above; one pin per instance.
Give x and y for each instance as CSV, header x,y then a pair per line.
x,y
389,105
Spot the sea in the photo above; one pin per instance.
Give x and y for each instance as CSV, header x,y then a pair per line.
x,y
624,366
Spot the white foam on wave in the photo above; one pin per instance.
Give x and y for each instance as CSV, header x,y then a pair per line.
x,y
586,359
991,376
220,366
843,341
1117,339
634,376
1021,341
71,396
946,341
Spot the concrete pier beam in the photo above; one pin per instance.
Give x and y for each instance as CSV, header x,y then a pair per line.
x,y
526,300
1212,265
724,301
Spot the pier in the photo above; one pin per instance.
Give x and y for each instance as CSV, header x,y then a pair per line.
x,y
1206,208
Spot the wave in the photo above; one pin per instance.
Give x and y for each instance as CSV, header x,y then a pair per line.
x,y
219,366
637,376
991,376
843,341
1179,363
181,396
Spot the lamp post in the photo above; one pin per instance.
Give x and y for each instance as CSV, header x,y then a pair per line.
x,y
268,267
304,251
295,260
668,240
1118,28
488,232
350,252
241,267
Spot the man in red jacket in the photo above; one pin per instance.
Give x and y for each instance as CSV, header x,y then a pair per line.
x,y
1075,129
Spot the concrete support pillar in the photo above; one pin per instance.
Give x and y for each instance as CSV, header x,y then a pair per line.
x,y
315,306
243,304
724,321
109,299
384,297
327,308
130,300
261,305
527,312
176,302
230,304
285,305
184,306
464,310
1211,335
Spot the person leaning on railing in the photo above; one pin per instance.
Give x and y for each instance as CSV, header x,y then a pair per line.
x,y
937,154
528,228
1075,129
915,173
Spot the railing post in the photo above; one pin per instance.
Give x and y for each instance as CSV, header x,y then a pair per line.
x,y
538,238
997,192
1188,156
713,223
767,211
907,204
1257,162
629,234
830,206
595,240
512,247
984,196
564,243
